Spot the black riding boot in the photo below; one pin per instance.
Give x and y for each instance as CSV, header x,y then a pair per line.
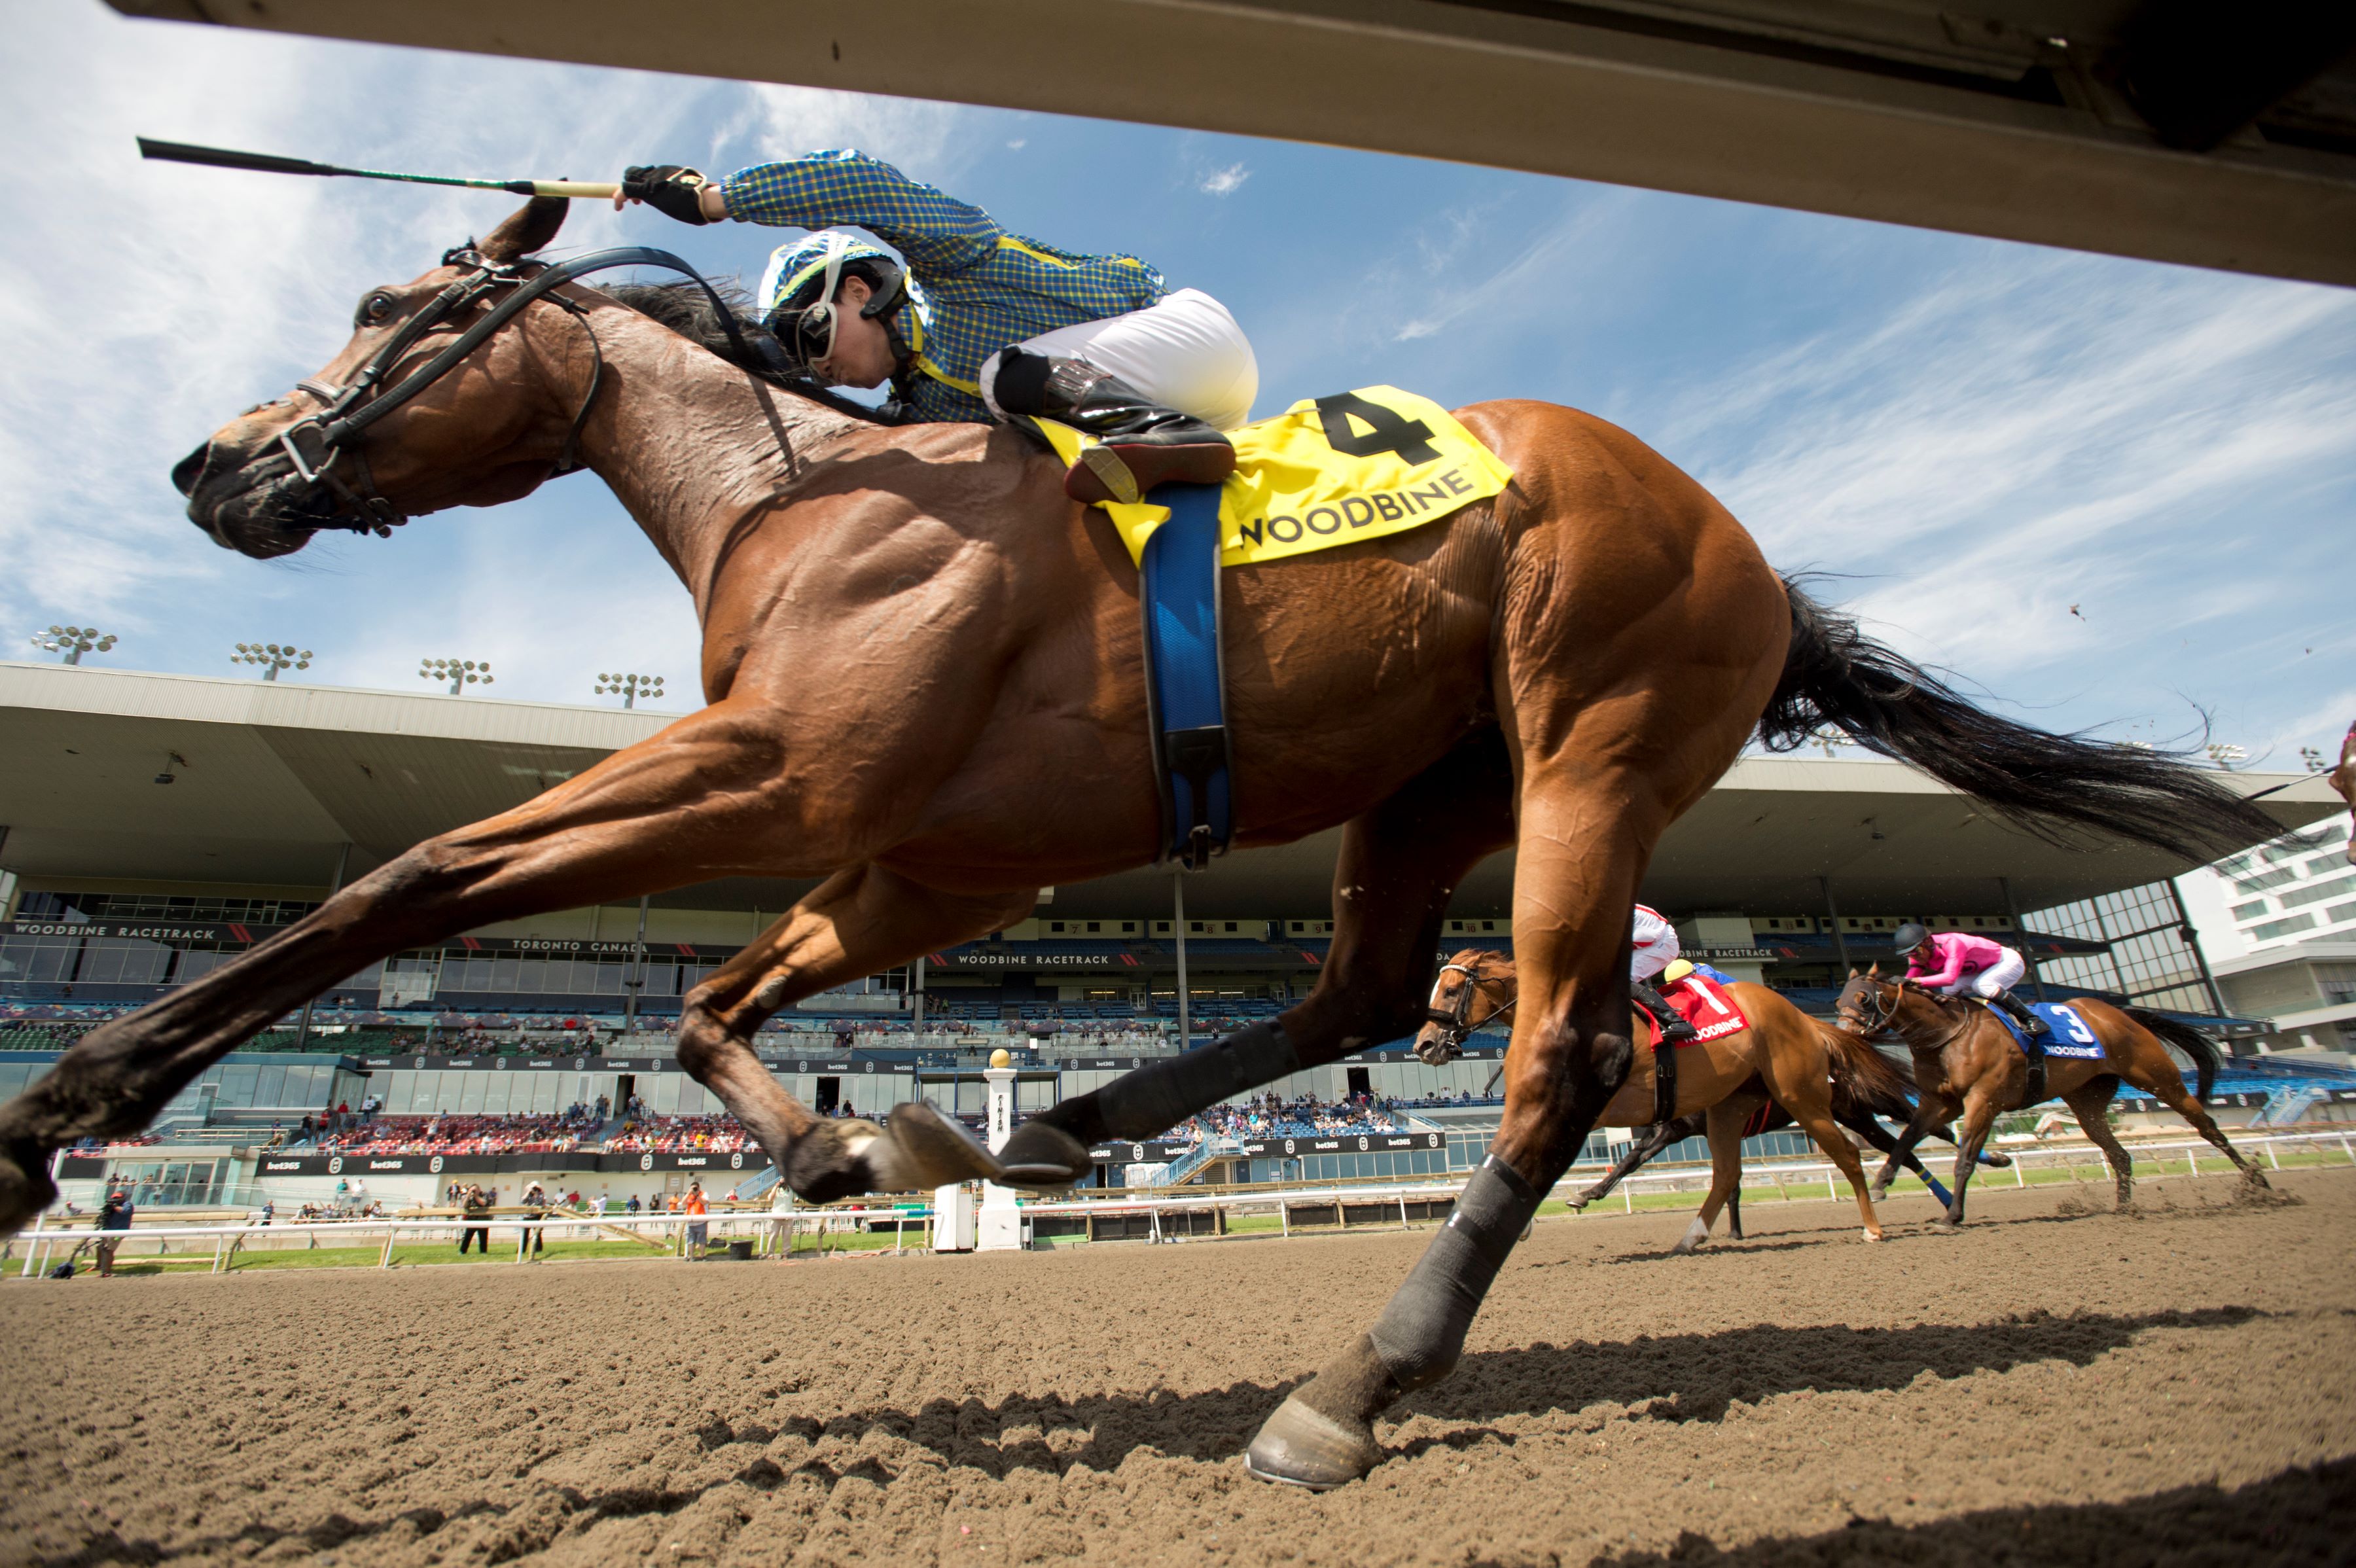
x,y
2032,1046
1673,1030
1145,444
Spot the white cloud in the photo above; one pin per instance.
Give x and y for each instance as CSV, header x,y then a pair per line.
x,y
1224,181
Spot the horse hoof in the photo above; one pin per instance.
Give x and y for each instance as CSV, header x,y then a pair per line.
x,y
26,1190
1872,1235
1695,1234
921,1148
1997,1162
2257,1179
1298,1446
1042,1154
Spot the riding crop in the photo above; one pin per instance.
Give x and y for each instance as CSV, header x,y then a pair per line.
x,y
265,163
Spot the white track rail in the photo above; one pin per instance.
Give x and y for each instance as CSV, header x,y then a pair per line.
x,y
2155,1160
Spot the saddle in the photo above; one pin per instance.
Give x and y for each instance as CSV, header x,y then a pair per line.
x,y
1326,472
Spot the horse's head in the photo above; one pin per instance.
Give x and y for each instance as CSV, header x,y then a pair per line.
x,y
1871,1005
1473,988
279,472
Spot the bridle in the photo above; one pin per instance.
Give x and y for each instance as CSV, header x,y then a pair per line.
x,y
316,443
1885,1017
1456,1025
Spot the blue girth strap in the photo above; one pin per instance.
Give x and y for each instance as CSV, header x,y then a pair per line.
x,y
1185,680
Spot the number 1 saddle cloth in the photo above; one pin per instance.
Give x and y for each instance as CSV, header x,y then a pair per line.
x,y
1326,471
1700,1000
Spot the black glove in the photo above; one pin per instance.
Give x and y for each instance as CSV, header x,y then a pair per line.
x,y
671,189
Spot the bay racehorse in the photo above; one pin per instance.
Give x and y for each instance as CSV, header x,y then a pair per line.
x,y
1475,989
1783,1055
1966,1063
921,667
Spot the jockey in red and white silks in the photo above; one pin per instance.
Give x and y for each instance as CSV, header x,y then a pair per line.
x,y
1653,943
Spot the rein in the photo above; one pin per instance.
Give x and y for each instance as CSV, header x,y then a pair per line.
x,y
1885,1021
316,443
1456,1025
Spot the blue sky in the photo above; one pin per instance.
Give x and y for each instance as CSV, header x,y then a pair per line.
x,y
1981,434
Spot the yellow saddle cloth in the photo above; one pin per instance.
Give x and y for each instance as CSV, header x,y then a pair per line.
x,y
1326,471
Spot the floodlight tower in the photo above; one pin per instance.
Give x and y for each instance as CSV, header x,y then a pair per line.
x,y
630,687
459,672
2224,754
271,656
73,642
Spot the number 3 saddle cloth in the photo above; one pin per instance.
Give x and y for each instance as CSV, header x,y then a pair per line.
x,y
1326,471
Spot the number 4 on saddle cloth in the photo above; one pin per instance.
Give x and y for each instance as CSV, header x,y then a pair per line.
x,y
1328,471
2066,1033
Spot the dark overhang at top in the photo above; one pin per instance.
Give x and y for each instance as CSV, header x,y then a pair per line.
x,y
2178,131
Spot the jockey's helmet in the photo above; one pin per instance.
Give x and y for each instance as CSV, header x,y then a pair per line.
x,y
1908,937
797,290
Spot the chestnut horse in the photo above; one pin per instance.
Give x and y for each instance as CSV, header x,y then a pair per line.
x,y
1967,1062
1485,992
1785,1055
921,666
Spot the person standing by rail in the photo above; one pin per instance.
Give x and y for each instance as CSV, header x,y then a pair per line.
x,y
478,1211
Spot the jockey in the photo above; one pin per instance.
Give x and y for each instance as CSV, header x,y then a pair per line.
x,y
980,324
1652,944
1954,963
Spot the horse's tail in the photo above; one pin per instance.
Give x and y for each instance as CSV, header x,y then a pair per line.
x,y
1836,675
1865,1079
2185,1039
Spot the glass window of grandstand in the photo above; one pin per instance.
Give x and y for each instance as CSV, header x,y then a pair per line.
x,y
164,1182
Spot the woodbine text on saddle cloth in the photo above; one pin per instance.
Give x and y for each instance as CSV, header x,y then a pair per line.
x,y
1326,471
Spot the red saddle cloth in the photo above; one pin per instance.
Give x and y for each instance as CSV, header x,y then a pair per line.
x,y
1704,1003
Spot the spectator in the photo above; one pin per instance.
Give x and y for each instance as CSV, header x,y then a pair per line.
x,y
535,1206
115,1214
477,1209
697,1232
635,1206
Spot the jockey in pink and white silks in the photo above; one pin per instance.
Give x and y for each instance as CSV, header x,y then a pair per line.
x,y
1956,964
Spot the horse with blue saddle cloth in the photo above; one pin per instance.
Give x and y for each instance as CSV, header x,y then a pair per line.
x,y
1972,1061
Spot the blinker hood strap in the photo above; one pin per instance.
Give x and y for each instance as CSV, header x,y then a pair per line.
x,y
1422,1332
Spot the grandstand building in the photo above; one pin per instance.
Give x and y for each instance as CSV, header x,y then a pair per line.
x,y
152,827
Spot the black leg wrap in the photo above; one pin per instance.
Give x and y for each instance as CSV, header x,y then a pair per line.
x,y
1157,1097
1422,1332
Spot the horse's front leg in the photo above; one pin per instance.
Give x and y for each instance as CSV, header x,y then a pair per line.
x,y
710,795
1934,1109
1658,1136
856,923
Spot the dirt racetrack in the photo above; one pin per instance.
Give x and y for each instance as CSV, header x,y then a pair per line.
x,y
2051,1386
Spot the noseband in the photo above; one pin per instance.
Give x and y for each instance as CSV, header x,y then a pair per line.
x,y
316,443
1456,1025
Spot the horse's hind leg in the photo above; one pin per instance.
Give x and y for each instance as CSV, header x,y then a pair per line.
x,y
1399,863
2090,1103
1584,841
856,923
2170,1091
706,796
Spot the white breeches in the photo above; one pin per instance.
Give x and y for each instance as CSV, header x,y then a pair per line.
x,y
1993,982
1649,959
1184,352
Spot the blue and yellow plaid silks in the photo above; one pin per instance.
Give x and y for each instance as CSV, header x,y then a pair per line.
x,y
980,288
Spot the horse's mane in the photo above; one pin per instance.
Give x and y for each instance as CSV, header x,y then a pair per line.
x,y
685,309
